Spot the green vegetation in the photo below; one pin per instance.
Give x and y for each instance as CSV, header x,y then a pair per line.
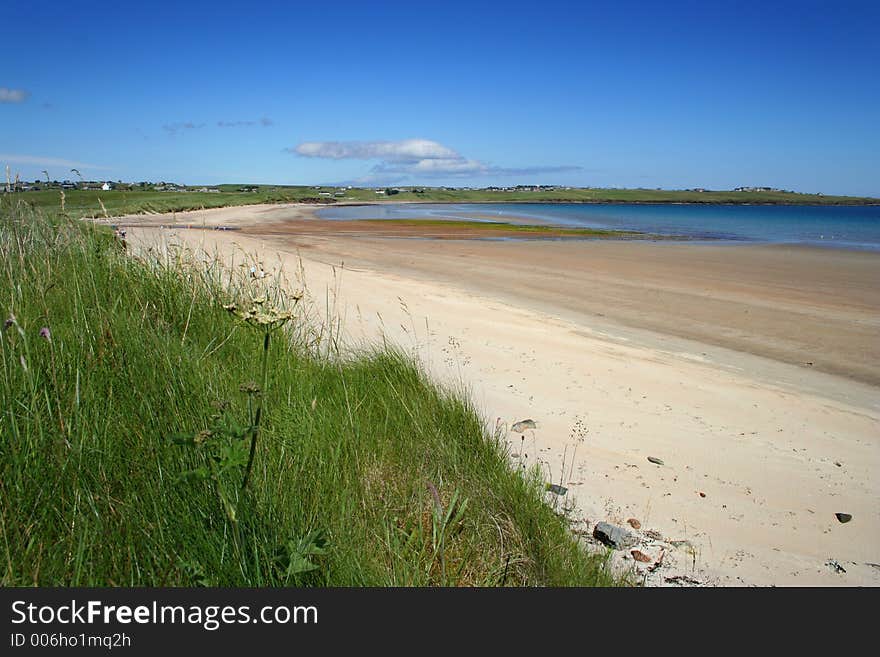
x,y
80,203
127,409
589,195
504,227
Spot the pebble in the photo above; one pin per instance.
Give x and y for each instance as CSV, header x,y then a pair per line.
x,y
523,425
613,536
640,556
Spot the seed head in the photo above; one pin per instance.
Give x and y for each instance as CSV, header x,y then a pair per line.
x,y
259,315
249,388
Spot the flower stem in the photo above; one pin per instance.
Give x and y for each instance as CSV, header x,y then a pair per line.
x,y
259,412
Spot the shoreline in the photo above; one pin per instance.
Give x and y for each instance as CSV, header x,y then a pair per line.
x,y
603,202
586,334
211,218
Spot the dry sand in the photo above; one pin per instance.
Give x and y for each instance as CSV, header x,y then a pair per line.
x,y
752,372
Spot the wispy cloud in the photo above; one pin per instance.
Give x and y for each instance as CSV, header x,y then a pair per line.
x,y
407,150
47,161
174,128
531,171
264,122
8,95
423,158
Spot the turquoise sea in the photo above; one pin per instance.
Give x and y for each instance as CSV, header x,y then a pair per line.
x,y
848,227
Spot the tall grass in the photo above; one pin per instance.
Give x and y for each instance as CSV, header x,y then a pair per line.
x,y
365,473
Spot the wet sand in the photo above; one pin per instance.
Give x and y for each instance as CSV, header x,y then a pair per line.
x,y
752,372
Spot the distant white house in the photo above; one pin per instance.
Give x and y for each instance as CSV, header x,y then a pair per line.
x,y
107,186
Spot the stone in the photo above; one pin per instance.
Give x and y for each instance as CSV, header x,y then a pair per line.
x,y
843,517
613,536
635,524
654,459
524,425
641,556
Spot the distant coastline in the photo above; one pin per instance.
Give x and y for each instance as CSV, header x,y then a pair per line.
x,y
614,202
149,198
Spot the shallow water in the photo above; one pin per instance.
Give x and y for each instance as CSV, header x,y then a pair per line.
x,y
849,227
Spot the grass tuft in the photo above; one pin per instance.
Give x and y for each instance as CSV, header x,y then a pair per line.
x,y
366,473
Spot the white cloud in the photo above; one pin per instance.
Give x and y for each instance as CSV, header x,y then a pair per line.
x,y
412,157
407,150
433,167
8,95
47,161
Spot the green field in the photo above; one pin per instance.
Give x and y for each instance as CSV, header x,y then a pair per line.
x,y
129,402
582,195
79,203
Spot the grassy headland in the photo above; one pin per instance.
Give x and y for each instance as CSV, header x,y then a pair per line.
x,y
599,195
81,203
127,402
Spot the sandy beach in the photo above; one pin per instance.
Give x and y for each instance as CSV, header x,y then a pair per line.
x,y
751,372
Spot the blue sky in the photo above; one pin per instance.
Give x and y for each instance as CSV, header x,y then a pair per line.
x,y
612,94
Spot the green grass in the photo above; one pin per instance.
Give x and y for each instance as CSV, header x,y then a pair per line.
x,y
598,195
80,203
92,491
